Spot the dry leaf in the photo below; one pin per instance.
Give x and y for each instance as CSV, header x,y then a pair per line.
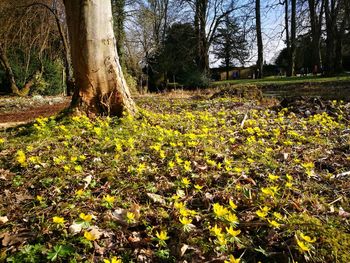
x,y
3,220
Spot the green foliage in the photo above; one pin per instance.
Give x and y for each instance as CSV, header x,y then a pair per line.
x,y
28,254
175,61
47,83
52,78
230,45
132,83
59,251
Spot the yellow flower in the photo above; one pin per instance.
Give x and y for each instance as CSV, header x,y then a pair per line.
x,y
113,260
109,199
233,232
274,223
198,187
89,236
130,217
302,245
186,182
232,260
185,220
78,168
289,185
79,192
2,140
272,190
39,198
21,158
187,166
232,205
261,213
278,215
307,238
289,177
266,209
216,230
162,235
86,218
219,210
179,205
58,220
171,164
232,218
273,177
222,240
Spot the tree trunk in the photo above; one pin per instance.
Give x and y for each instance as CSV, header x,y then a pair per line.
x,y
100,85
286,20
316,22
202,59
293,38
330,14
260,61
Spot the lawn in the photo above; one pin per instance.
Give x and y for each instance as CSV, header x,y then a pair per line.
x,y
276,80
191,179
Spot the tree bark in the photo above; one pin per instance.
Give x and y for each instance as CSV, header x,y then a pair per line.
x,y
286,20
260,61
100,85
293,37
316,23
202,59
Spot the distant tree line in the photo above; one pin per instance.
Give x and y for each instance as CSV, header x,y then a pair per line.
x,y
169,43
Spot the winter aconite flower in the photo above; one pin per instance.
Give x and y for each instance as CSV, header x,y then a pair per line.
x,y
186,182
232,205
162,235
21,158
113,260
89,236
307,238
219,210
185,220
86,218
108,200
274,223
58,220
233,232
130,217
232,259
302,245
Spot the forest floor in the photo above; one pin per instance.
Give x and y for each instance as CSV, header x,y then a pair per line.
x,y
195,177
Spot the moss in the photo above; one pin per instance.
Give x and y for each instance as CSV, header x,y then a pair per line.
x,y
333,240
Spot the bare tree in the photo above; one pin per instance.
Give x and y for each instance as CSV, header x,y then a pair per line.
x,y
28,29
260,62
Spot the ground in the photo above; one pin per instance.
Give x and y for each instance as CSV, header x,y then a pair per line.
x,y
17,110
192,178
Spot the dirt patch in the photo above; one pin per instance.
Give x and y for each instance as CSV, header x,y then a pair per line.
x,y
16,111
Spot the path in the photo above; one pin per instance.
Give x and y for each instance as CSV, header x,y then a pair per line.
x,y
15,116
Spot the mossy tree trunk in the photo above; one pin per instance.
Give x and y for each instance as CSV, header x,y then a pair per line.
x,y
100,85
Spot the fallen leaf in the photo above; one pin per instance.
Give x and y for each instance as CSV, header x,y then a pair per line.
x,y
343,213
3,220
156,198
74,228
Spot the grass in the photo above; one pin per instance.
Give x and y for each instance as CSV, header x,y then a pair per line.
x,y
196,180
284,80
